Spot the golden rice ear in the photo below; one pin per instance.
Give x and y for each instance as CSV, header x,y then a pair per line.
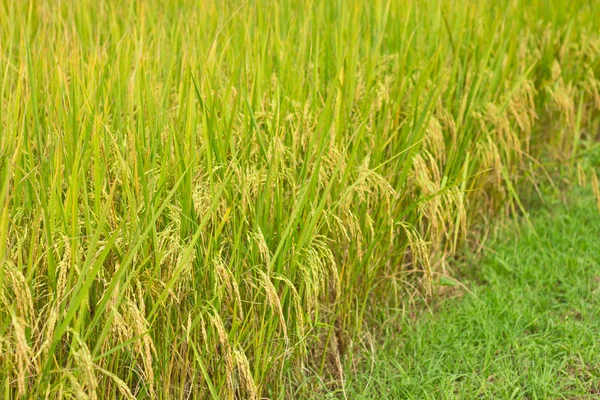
x,y
245,373
596,188
592,87
120,329
448,123
76,388
455,214
21,294
22,353
85,366
563,98
47,333
145,345
273,300
418,248
230,284
434,140
185,275
352,226
217,324
370,181
319,243
318,269
298,308
501,130
202,198
276,150
263,249
121,386
18,302
522,110
581,175
62,268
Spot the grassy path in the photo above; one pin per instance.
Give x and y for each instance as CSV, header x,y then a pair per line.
x,y
531,330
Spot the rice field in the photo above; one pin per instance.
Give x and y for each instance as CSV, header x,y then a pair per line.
x,y
207,199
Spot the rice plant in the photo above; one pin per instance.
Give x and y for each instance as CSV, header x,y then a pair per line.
x,y
206,199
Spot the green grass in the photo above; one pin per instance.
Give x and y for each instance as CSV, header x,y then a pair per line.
x,y
208,199
528,329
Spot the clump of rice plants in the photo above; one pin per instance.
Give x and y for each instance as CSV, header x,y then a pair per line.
x,y
205,199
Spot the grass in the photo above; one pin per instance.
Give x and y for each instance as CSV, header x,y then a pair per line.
x,y
529,327
209,199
